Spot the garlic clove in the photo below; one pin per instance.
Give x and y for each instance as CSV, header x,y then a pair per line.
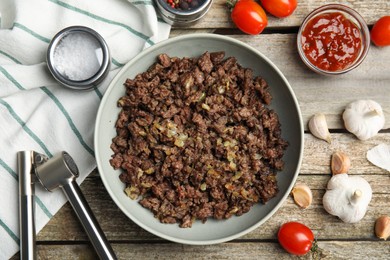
x,y
380,156
340,163
382,227
302,195
319,127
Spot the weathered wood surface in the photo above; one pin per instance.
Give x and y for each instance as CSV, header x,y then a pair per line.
x,y
218,16
64,233
64,238
248,250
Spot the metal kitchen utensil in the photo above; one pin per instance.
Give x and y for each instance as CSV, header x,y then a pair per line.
x,y
59,171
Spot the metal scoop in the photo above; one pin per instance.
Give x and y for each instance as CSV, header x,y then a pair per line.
x,y
59,171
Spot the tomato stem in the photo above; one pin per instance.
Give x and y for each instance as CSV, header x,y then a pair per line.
x,y
314,250
231,3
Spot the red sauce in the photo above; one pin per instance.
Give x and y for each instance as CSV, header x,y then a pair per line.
x,y
331,42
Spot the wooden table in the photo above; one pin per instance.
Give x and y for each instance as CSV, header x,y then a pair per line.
x,y
64,238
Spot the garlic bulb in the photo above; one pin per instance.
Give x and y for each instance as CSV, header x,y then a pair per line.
x,y
347,197
380,156
319,128
364,118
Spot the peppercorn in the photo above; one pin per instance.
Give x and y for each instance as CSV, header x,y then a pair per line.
x,y
184,4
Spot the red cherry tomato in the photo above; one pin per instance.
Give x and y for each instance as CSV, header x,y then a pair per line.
x,y
295,238
380,32
249,16
279,8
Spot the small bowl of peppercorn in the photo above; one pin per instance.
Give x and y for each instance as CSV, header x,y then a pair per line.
x,y
182,12
333,39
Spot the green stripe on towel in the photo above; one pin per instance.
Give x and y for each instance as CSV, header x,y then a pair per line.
x,y
58,104
10,57
36,35
10,233
142,3
10,78
37,199
25,127
98,93
43,207
69,119
8,169
117,63
102,19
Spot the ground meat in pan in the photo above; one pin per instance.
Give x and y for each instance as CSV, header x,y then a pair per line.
x,y
196,139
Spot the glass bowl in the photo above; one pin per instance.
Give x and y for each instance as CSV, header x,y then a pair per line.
x,y
329,47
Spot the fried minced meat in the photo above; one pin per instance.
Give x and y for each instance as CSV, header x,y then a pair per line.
x,y
196,139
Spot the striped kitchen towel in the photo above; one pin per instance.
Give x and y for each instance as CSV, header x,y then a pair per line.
x,y
36,113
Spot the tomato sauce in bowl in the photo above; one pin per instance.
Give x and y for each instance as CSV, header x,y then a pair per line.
x,y
333,39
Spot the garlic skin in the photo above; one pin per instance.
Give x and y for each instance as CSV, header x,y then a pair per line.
x,y
382,227
347,197
364,118
319,127
380,156
302,195
340,163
